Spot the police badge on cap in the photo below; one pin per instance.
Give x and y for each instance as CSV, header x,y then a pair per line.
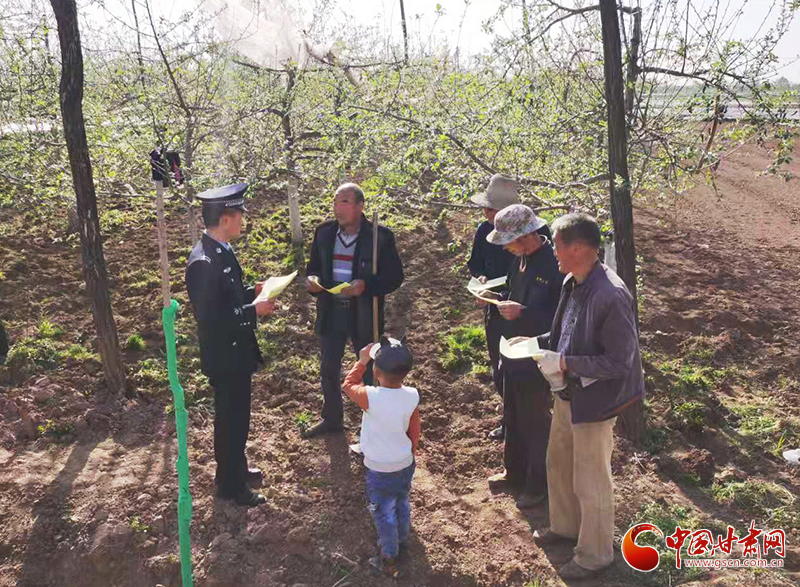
x,y
230,196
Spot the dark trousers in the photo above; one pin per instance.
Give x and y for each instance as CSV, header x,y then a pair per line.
x,y
3,343
526,406
494,330
332,346
231,427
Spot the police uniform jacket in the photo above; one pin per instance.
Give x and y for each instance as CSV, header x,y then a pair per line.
x,y
223,307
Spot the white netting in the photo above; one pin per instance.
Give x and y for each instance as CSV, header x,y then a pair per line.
x,y
262,31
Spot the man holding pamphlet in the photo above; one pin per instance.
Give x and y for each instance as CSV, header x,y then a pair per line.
x,y
527,307
227,316
340,276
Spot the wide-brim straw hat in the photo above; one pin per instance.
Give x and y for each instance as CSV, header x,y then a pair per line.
x,y
513,222
502,191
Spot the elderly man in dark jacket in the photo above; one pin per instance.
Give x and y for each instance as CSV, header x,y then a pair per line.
x,y
342,253
529,303
488,261
592,362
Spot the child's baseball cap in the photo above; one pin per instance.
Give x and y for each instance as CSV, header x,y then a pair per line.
x,y
392,356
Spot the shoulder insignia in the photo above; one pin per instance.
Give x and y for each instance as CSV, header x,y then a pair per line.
x,y
219,250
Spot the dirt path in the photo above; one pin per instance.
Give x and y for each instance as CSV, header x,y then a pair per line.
x,y
98,507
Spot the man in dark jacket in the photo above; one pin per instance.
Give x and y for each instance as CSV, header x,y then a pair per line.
x,y
593,363
226,322
533,287
489,261
342,253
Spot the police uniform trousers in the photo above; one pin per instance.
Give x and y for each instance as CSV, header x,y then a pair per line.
x,y
231,427
332,344
526,411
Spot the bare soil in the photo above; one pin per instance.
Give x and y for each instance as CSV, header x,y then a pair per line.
x,y
95,505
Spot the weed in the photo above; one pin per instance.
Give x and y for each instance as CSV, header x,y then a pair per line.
x,y
691,415
758,498
135,342
667,519
29,353
47,329
480,370
309,366
57,429
302,420
137,525
655,439
451,313
152,371
464,347
765,430
79,353
700,350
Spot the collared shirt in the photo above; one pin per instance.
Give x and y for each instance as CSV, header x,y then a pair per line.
x,y
226,245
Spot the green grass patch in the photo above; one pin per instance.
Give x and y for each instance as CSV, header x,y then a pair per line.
x,y
464,346
152,372
80,353
135,342
667,518
302,420
761,499
57,429
764,428
691,415
137,525
31,353
47,329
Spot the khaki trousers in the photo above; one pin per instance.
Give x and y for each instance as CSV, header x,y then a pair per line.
x,y
580,487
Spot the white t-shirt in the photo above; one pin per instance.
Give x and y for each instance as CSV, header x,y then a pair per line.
x,y
384,441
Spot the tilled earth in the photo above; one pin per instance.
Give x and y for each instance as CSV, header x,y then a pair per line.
x,y
96,504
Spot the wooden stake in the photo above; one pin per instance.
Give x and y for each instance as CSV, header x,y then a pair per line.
x,y
162,242
375,333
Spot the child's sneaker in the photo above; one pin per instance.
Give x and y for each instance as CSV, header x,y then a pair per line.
x,y
385,566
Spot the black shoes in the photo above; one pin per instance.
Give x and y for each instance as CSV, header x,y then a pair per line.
x,y
323,427
498,433
249,498
546,537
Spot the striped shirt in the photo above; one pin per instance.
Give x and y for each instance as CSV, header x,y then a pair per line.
x,y
343,249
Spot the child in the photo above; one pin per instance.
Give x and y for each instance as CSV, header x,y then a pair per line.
x,y
390,431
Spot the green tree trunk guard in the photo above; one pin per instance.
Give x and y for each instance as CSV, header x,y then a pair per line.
x,y
181,423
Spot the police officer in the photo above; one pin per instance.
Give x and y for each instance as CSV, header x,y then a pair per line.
x,y
226,322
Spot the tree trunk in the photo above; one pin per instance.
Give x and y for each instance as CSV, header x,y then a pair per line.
x,y
619,185
405,30
633,65
94,264
191,216
291,180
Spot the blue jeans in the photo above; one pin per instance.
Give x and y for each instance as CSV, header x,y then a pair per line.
x,y
390,507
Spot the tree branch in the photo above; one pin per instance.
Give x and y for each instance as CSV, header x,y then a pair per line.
x,y
480,162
